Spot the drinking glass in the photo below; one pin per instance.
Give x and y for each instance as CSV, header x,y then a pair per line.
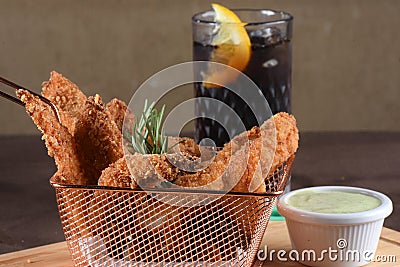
x,y
269,67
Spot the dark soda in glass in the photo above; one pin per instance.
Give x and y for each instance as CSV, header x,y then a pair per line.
x,y
269,68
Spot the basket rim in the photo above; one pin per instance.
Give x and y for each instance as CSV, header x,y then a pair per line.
x,y
286,168
163,190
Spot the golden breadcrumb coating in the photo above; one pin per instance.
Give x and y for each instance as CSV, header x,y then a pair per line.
x,y
151,170
66,96
59,142
117,109
117,175
98,140
250,151
253,155
233,166
242,165
185,145
287,141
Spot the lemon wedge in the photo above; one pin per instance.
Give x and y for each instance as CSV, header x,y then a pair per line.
x,y
232,47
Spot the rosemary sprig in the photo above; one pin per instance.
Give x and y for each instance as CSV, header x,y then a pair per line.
x,y
148,136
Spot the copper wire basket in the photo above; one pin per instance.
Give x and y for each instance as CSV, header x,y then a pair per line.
x,y
106,226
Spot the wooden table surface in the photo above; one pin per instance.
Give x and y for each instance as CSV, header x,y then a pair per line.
x,y
276,238
28,210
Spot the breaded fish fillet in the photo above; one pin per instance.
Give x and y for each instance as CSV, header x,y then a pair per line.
x,y
59,142
183,145
117,109
248,152
242,165
98,139
148,171
253,155
233,166
66,95
117,175
156,167
286,144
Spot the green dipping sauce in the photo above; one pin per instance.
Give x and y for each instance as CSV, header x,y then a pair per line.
x,y
333,201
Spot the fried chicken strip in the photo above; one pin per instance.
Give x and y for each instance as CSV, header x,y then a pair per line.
x,y
59,142
68,98
98,140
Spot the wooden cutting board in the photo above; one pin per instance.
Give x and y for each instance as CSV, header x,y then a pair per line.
x,y
276,237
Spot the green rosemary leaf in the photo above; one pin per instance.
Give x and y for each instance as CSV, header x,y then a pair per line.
x,y
148,136
177,143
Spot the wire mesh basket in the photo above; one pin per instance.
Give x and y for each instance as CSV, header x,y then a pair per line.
x,y
130,227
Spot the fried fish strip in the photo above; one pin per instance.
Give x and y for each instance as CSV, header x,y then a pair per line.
x,y
66,95
286,144
248,151
117,175
148,169
232,166
98,140
266,154
242,165
117,109
253,155
183,145
59,142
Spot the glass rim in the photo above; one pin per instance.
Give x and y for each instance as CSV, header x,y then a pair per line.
x,y
285,17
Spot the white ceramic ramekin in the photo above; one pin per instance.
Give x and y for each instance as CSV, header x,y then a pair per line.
x,y
347,239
